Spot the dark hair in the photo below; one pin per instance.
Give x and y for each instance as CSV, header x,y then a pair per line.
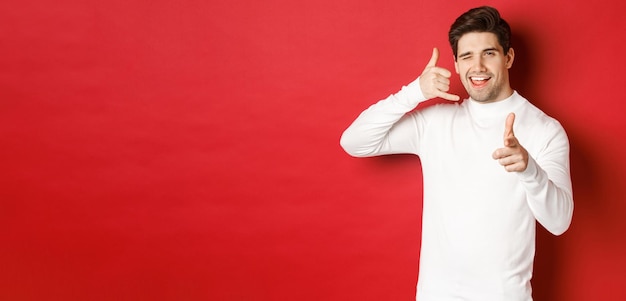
x,y
480,19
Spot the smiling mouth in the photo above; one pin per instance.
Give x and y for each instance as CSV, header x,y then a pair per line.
x,y
479,81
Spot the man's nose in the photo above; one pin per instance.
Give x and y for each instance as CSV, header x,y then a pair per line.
x,y
479,65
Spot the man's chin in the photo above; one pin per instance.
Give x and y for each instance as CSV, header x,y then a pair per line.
x,y
479,97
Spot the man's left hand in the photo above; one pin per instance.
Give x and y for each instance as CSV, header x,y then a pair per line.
x,y
512,156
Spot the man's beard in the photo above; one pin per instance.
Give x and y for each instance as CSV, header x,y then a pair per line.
x,y
484,96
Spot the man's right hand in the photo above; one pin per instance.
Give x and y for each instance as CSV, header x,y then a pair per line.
x,y
435,81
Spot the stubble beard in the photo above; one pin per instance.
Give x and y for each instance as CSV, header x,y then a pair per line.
x,y
486,94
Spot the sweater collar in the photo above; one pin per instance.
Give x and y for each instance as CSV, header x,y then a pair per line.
x,y
495,109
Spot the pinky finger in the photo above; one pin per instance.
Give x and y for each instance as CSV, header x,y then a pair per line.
x,y
448,96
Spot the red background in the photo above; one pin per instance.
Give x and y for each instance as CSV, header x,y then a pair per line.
x,y
188,150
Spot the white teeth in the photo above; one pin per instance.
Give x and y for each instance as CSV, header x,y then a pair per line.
x,y
478,78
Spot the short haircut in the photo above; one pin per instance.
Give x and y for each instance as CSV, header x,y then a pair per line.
x,y
480,19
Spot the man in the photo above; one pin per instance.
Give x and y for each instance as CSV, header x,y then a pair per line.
x,y
483,191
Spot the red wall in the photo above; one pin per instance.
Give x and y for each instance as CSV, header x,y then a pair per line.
x,y
189,150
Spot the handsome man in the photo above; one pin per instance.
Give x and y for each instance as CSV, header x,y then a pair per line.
x,y
483,191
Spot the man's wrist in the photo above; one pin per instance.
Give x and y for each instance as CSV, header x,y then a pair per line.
x,y
410,95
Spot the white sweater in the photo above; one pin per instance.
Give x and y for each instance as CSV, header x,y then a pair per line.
x,y
478,225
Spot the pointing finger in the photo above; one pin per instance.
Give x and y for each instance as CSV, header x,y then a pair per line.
x,y
510,141
509,136
508,126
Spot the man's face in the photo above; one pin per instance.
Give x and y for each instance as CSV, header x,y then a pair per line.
x,y
483,67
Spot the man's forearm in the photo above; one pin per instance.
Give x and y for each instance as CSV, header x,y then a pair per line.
x,y
368,134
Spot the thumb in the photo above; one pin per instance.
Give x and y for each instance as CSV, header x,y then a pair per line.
x,y
434,58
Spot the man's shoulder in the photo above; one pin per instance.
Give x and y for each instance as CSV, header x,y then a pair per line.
x,y
539,128
536,116
440,107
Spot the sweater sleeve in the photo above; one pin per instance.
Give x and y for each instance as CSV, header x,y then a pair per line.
x,y
383,128
548,184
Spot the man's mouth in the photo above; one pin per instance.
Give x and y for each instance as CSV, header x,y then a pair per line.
x,y
479,81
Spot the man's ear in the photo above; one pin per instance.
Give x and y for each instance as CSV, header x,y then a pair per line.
x,y
456,64
510,57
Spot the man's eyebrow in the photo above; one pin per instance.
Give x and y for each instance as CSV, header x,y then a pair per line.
x,y
484,50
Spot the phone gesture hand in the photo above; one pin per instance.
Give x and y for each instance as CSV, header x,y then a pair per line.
x,y
435,81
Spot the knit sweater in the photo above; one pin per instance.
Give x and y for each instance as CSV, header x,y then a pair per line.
x,y
478,225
